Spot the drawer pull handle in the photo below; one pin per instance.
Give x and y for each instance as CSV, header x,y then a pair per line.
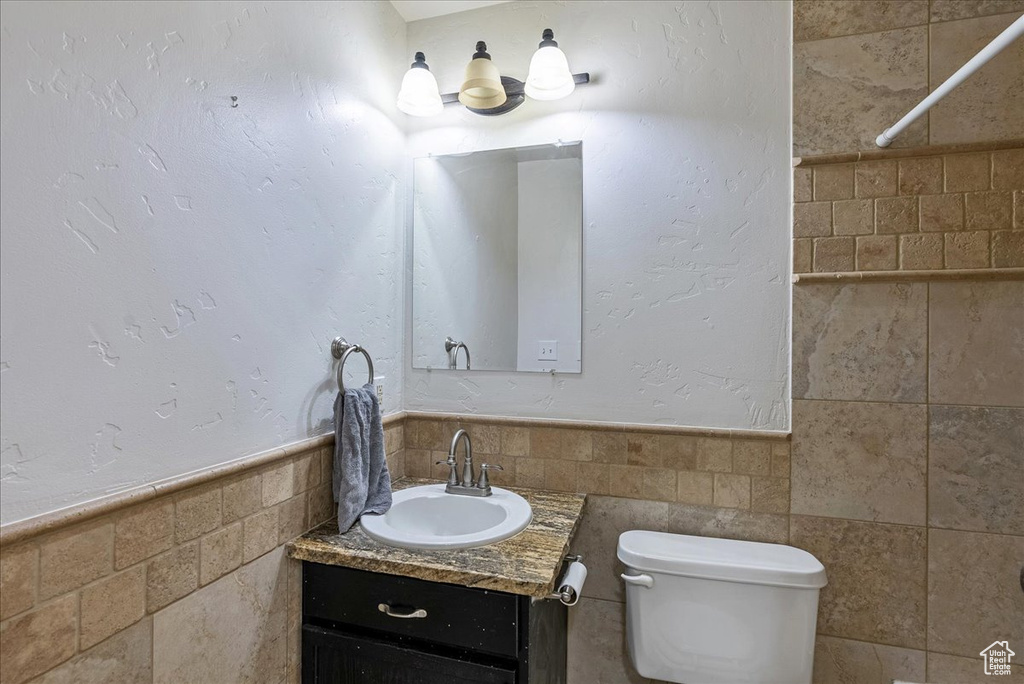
x,y
390,612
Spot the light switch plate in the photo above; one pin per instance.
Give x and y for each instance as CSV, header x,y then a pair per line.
x,y
547,350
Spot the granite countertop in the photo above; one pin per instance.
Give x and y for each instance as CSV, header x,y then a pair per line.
x,y
527,564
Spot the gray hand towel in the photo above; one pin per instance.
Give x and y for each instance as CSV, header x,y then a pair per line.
x,y
362,483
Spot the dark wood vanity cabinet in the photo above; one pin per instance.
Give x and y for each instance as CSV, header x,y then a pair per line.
x,y
362,627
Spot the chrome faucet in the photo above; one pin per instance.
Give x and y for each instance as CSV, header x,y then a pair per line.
x,y
468,485
453,347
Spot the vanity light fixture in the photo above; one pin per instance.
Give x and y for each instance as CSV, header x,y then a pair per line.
x,y
482,87
486,92
549,78
419,95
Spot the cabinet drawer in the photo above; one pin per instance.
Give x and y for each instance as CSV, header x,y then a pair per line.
x,y
334,658
464,617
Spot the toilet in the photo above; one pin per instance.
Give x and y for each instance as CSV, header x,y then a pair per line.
x,y
701,610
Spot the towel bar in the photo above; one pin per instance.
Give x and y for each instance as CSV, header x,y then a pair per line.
x,y
340,349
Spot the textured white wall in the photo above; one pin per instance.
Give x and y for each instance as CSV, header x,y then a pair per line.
x,y
173,268
550,250
464,259
686,177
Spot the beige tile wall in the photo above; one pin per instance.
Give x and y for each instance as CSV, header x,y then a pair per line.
x,y
953,211
191,587
156,592
160,588
722,471
914,507
908,398
734,486
860,65
908,473
597,647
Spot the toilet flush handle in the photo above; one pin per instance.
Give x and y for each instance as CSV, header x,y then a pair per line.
x,y
639,580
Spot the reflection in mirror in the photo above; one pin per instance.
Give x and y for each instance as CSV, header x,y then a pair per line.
x,y
497,260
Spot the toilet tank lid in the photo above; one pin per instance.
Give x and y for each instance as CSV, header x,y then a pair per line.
x,y
721,559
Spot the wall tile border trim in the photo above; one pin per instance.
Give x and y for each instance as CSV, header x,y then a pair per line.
x,y
20,530
903,152
602,426
910,276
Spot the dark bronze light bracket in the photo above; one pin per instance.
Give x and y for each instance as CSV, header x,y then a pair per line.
x,y
515,95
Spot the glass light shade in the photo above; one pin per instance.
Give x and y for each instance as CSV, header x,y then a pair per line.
x,y
549,78
419,95
482,88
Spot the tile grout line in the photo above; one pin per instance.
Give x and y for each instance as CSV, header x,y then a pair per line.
x,y
78,628
789,509
152,636
928,72
859,33
925,527
926,24
877,643
926,404
927,461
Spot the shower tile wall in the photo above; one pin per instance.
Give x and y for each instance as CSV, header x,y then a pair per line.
x,y
908,397
954,211
907,474
859,66
908,471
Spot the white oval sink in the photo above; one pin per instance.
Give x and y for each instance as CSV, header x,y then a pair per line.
x,y
427,517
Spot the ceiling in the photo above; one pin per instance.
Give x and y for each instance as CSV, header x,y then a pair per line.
x,y
412,10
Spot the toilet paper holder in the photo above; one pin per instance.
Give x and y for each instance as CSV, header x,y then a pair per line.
x,y
565,593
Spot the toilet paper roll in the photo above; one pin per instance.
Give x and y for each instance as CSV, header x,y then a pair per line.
x,y
572,582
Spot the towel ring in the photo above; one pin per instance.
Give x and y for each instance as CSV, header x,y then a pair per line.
x,y
340,349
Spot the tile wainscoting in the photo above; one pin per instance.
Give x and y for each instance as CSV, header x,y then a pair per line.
x,y
739,469
720,483
113,590
174,583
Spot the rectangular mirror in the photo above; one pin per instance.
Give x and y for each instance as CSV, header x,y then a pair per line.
x,y
497,260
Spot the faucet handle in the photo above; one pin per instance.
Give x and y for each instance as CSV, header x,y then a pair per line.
x,y
483,483
453,478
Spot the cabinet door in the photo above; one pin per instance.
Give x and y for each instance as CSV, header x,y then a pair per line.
x,y
330,657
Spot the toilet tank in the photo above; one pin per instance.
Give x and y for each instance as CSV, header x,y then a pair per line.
x,y
702,610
